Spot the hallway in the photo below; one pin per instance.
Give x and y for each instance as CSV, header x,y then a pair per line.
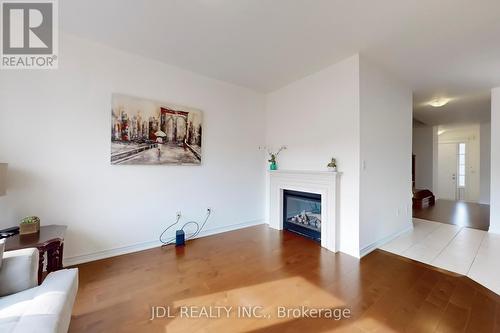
x,y
459,213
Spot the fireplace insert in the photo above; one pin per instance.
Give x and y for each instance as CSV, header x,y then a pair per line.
x,y
302,213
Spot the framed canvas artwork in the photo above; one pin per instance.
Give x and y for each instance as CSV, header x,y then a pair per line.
x,y
155,133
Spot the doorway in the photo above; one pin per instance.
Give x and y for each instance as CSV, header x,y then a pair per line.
x,y
457,155
458,167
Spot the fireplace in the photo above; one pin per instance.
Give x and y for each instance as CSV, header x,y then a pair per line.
x,y
324,183
302,213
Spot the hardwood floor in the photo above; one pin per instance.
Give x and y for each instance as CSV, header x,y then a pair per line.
x,y
263,267
459,213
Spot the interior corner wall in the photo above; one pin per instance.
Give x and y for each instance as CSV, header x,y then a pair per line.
x,y
55,131
422,148
317,118
386,149
485,163
495,162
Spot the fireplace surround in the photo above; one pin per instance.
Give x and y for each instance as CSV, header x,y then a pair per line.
x,y
323,183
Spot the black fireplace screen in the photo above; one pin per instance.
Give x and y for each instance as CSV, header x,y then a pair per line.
x,y
302,213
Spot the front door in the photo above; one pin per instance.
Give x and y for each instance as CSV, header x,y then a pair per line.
x,y
447,171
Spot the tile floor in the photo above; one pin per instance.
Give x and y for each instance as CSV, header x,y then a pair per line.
x,y
466,251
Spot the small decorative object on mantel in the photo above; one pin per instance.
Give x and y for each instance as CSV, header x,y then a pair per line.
x,y
29,225
272,158
332,166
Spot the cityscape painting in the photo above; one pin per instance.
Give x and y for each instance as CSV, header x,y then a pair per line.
x,y
155,133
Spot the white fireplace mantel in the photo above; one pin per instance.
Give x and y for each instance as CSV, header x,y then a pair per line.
x,y
324,183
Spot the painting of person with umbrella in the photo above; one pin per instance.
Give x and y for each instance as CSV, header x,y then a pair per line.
x,y
159,141
148,132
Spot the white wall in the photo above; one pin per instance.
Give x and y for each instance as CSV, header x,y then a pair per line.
x,y
485,163
386,147
423,148
435,157
471,135
55,135
495,162
320,116
317,118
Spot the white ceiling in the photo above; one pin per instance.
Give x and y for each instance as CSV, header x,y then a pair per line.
x,y
440,48
462,109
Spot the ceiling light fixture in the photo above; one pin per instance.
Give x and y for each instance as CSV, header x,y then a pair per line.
x,y
438,102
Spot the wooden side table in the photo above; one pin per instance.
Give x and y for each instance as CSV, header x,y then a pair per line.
x,y
50,240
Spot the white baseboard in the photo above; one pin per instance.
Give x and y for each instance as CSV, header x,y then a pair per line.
x,y
70,261
494,230
375,245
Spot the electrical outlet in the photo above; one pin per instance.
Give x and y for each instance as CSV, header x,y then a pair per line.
x,y
209,210
178,214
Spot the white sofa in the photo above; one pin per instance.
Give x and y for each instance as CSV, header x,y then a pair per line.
x,y
26,307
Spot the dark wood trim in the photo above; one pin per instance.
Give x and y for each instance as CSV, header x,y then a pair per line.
x,y
49,241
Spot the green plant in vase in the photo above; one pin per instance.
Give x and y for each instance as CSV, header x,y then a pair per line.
x,y
273,164
29,225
